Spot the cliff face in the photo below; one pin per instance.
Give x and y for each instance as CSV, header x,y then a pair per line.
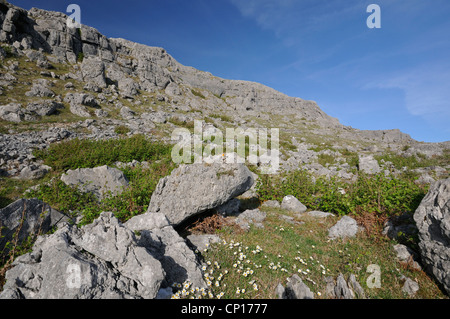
x,y
132,65
114,73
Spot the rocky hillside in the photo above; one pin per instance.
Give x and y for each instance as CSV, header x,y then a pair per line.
x,y
85,133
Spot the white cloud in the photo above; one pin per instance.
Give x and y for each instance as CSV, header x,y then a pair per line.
x,y
426,88
417,33
290,20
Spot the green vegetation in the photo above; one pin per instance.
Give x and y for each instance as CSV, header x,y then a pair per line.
x,y
198,94
132,201
8,51
3,128
380,194
325,159
80,57
250,265
222,117
78,153
182,123
415,161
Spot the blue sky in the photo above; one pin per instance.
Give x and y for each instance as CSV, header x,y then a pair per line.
x,y
322,50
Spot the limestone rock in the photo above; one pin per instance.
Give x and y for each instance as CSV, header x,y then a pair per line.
x,y
368,164
12,112
251,217
193,189
292,204
407,255
160,238
271,203
44,107
342,289
319,214
202,241
93,71
99,261
32,216
295,289
345,227
410,287
101,181
433,221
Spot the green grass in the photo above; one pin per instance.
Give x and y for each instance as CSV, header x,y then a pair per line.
x,y
132,201
222,117
198,94
250,265
324,159
383,195
121,129
415,161
79,153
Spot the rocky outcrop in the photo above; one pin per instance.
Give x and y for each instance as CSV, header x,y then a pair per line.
x,y
292,204
368,164
16,157
103,260
433,221
249,217
27,217
346,227
295,289
102,181
177,259
342,289
193,189
118,61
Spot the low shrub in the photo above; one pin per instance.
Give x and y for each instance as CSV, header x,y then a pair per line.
x,y
380,194
134,200
415,161
78,153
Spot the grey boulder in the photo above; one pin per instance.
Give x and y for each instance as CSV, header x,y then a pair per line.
x,y
292,204
251,217
93,72
342,289
433,221
44,108
319,214
12,112
165,244
344,228
99,261
368,164
27,217
295,289
196,188
102,181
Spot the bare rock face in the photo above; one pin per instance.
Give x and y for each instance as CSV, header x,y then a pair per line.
x,y
295,289
160,238
101,181
433,221
27,217
93,72
102,261
292,204
345,227
196,188
368,164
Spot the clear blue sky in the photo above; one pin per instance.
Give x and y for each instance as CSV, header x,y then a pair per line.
x,y
322,50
